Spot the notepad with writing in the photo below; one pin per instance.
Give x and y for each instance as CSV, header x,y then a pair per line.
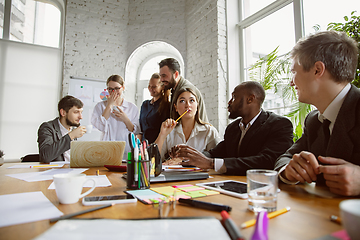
x,y
174,229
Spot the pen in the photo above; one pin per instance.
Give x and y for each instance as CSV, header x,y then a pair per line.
x,y
205,205
79,213
270,215
231,227
335,219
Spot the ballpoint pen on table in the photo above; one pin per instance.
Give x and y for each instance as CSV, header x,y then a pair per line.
x,y
79,213
270,215
205,205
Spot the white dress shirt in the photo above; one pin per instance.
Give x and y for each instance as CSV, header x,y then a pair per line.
x,y
114,129
330,113
64,131
202,137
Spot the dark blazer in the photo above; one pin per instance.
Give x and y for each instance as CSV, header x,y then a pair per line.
x,y
269,137
344,141
51,144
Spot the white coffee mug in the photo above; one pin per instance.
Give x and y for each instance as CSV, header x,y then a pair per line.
x,y
68,187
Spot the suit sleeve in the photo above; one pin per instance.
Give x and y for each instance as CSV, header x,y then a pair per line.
x,y
49,147
300,145
277,141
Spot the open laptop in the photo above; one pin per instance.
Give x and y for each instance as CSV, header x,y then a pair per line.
x,y
96,153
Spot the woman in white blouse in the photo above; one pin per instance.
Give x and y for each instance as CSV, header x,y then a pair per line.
x,y
116,117
190,129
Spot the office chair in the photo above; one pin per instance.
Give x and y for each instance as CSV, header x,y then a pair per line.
x,y
30,158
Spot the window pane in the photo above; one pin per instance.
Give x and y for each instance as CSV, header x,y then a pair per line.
x,y
252,6
333,13
35,22
2,3
276,30
151,67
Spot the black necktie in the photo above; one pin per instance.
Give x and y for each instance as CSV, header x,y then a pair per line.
x,y
325,125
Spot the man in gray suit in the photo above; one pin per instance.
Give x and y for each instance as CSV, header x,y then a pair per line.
x,y
328,152
54,137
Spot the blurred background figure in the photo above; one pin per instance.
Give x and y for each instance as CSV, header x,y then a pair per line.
x,y
153,112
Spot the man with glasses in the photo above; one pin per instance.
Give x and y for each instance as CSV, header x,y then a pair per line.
x,y
54,137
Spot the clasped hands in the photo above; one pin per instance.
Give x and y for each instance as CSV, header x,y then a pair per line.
x,y
191,157
341,177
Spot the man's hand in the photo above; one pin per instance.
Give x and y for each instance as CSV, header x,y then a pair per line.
x,y
341,177
77,132
192,156
303,167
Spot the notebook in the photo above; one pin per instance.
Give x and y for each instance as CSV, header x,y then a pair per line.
x,y
96,153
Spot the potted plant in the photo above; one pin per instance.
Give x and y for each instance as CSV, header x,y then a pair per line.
x,y
273,72
1,157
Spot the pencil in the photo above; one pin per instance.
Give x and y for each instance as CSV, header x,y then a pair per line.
x,y
44,166
335,219
79,213
187,110
270,215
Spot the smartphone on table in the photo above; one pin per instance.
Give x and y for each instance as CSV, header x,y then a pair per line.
x,y
101,200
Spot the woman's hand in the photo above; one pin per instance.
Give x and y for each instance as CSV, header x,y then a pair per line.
x,y
114,96
167,126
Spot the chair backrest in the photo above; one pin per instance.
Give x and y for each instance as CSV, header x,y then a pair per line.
x,y
30,158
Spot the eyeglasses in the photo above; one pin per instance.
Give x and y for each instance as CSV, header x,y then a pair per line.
x,y
113,89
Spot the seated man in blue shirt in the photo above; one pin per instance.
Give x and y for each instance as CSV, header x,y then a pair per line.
x,y
54,137
255,140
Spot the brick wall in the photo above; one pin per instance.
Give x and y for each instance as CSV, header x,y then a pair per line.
x,y
100,35
95,39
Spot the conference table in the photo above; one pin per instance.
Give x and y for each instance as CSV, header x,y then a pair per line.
x,y
307,219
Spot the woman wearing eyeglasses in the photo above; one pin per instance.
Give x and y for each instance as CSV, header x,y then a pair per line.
x,y
116,117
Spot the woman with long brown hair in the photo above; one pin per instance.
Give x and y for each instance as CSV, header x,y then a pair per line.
x,y
190,129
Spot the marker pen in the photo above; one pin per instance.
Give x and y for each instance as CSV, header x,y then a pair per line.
x,y
205,205
231,227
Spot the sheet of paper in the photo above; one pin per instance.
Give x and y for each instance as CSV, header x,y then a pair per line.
x,y
100,181
26,207
38,165
46,175
159,229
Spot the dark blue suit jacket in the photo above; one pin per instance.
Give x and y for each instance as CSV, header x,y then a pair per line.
x,y
269,137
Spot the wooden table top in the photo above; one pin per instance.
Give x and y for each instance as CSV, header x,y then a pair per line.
x,y
307,219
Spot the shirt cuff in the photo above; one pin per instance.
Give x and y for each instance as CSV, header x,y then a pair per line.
x,y
284,179
219,165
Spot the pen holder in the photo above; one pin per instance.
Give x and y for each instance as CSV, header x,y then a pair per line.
x,y
142,174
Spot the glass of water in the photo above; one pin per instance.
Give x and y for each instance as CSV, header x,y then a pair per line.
x,y
262,189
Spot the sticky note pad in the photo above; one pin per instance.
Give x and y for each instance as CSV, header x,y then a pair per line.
x,y
192,188
209,192
182,186
195,194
